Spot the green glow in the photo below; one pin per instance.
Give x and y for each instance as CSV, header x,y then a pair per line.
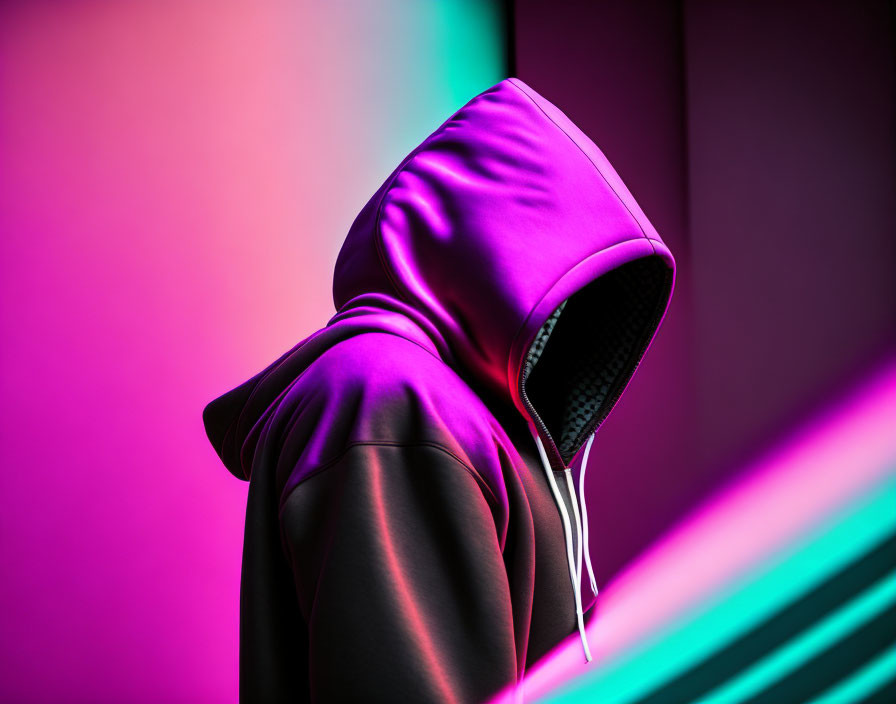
x,y
442,53
866,681
802,648
474,56
742,604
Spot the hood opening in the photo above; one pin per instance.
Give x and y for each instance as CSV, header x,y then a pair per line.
x,y
588,349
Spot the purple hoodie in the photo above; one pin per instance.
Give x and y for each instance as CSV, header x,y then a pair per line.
x,y
413,530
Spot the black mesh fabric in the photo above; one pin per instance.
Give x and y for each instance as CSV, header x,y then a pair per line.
x,y
541,338
588,348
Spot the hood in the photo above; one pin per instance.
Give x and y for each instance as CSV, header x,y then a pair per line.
x,y
507,244
509,231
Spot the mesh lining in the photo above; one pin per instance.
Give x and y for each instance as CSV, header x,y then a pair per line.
x,y
541,338
589,347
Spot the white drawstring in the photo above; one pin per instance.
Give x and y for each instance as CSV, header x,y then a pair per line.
x,y
567,530
585,515
575,511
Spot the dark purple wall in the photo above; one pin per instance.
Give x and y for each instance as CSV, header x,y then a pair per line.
x,y
758,137
792,191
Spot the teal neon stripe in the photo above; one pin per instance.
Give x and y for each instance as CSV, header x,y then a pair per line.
x,y
802,648
796,570
866,681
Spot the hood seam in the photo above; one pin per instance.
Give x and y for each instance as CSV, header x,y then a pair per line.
x,y
582,151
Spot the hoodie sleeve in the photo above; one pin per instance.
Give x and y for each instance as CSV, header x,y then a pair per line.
x,y
401,579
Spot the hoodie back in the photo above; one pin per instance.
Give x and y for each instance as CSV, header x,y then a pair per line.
x,y
413,530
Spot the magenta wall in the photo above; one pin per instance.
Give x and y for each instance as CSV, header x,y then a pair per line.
x,y
759,139
176,180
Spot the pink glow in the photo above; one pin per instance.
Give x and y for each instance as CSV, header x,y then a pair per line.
x,y
835,458
176,179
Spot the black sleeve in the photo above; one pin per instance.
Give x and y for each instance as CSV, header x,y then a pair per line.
x,y
400,577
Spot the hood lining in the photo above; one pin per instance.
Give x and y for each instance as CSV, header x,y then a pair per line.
x,y
584,354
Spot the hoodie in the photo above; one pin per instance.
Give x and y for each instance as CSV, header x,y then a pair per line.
x,y
416,522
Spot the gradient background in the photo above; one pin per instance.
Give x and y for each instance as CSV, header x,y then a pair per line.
x,y
176,178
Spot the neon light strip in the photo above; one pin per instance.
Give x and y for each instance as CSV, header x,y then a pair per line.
x,y
735,610
866,681
806,646
842,458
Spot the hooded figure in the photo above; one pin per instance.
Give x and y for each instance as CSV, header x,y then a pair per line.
x,y
413,528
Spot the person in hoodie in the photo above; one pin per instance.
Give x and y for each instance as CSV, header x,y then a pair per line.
x,y
414,531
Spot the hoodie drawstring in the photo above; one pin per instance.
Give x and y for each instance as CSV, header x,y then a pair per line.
x,y
585,516
575,566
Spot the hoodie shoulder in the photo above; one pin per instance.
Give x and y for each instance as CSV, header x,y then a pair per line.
x,y
380,388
